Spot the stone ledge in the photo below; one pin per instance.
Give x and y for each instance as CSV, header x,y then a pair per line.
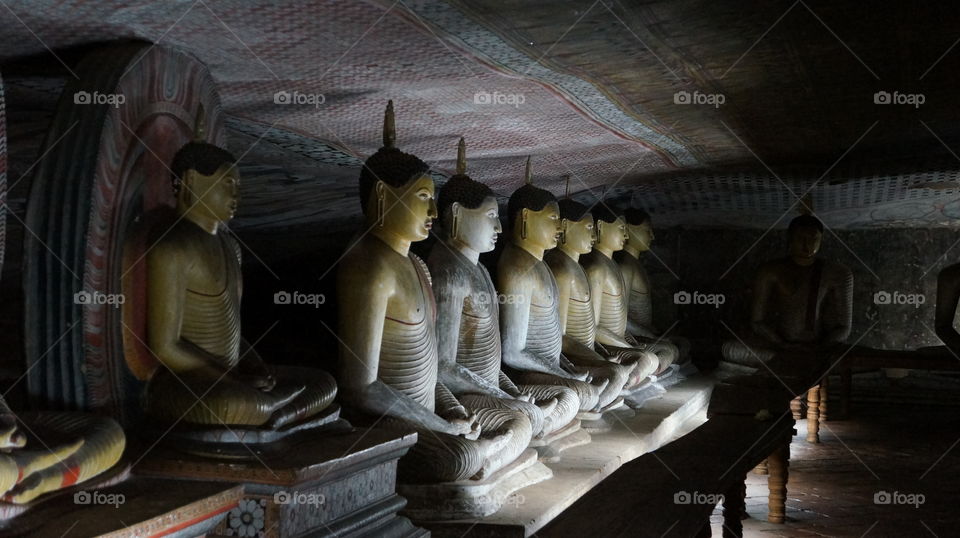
x,y
681,409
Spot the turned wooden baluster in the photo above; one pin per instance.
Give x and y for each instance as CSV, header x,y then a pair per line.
x,y
734,509
813,415
761,468
795,407
823,399
778,463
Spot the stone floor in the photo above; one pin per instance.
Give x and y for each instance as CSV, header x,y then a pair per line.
x,y
906,453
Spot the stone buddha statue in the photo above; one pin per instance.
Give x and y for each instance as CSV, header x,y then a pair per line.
x,y
609,290
530,328
801,304
640,323
577,303
71,448
468,324
208,374
388,354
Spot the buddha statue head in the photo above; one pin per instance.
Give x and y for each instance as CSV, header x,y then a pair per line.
x,y
468,210
577,234
206,183
534,215
639,230
396,191
803,238
611,229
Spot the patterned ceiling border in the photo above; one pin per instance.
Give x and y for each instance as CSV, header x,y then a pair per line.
x,y
585,96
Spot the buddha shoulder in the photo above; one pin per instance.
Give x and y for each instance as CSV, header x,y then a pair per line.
x,y
184,242
515,265
368,260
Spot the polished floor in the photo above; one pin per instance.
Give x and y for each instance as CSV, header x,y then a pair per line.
x,y
890,469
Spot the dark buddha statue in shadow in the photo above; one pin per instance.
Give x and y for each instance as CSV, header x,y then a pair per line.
x,y
802,305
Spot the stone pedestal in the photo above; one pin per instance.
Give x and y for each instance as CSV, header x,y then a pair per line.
x,y
469,499
552,446
318,484
136,507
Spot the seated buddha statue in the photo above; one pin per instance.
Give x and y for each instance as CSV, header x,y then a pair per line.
x,y
208,375
577,304
468,324
609,290
389,363
801,304
70,448
533,344
640,322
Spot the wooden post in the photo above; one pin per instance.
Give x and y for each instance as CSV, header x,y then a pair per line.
x,y
761,468
778,463
795,407
813,415
823,399
733,510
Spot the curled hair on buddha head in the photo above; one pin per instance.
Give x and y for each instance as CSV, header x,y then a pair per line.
x,y
528,197
389,164
572,210
635,217
461,188
804,222
602,212
198,155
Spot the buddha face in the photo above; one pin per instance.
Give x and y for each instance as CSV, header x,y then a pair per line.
x,y
478,228
804,244
579,235
640,235
215,195
612,235
543,227
409,209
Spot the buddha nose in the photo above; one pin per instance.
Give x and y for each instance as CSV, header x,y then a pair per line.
x,y
497,227
432,211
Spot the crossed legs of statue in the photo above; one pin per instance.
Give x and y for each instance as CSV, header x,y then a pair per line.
x,y
441,457
299,394
80,446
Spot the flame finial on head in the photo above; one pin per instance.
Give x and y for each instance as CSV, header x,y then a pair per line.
x,y
528,173
461,157
389,127
200,126
806,205
566,193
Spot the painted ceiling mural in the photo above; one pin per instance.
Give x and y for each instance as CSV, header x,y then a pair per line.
x,y
694,110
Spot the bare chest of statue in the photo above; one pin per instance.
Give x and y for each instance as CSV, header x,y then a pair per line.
x,y
581,324
796,301
613,304
544,334
211,304
478,345
408,349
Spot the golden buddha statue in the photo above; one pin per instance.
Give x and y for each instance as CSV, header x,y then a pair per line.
x,y
801,304
640,323
532,336
73,448
208,373
468,325
389,364
578,308
609,289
